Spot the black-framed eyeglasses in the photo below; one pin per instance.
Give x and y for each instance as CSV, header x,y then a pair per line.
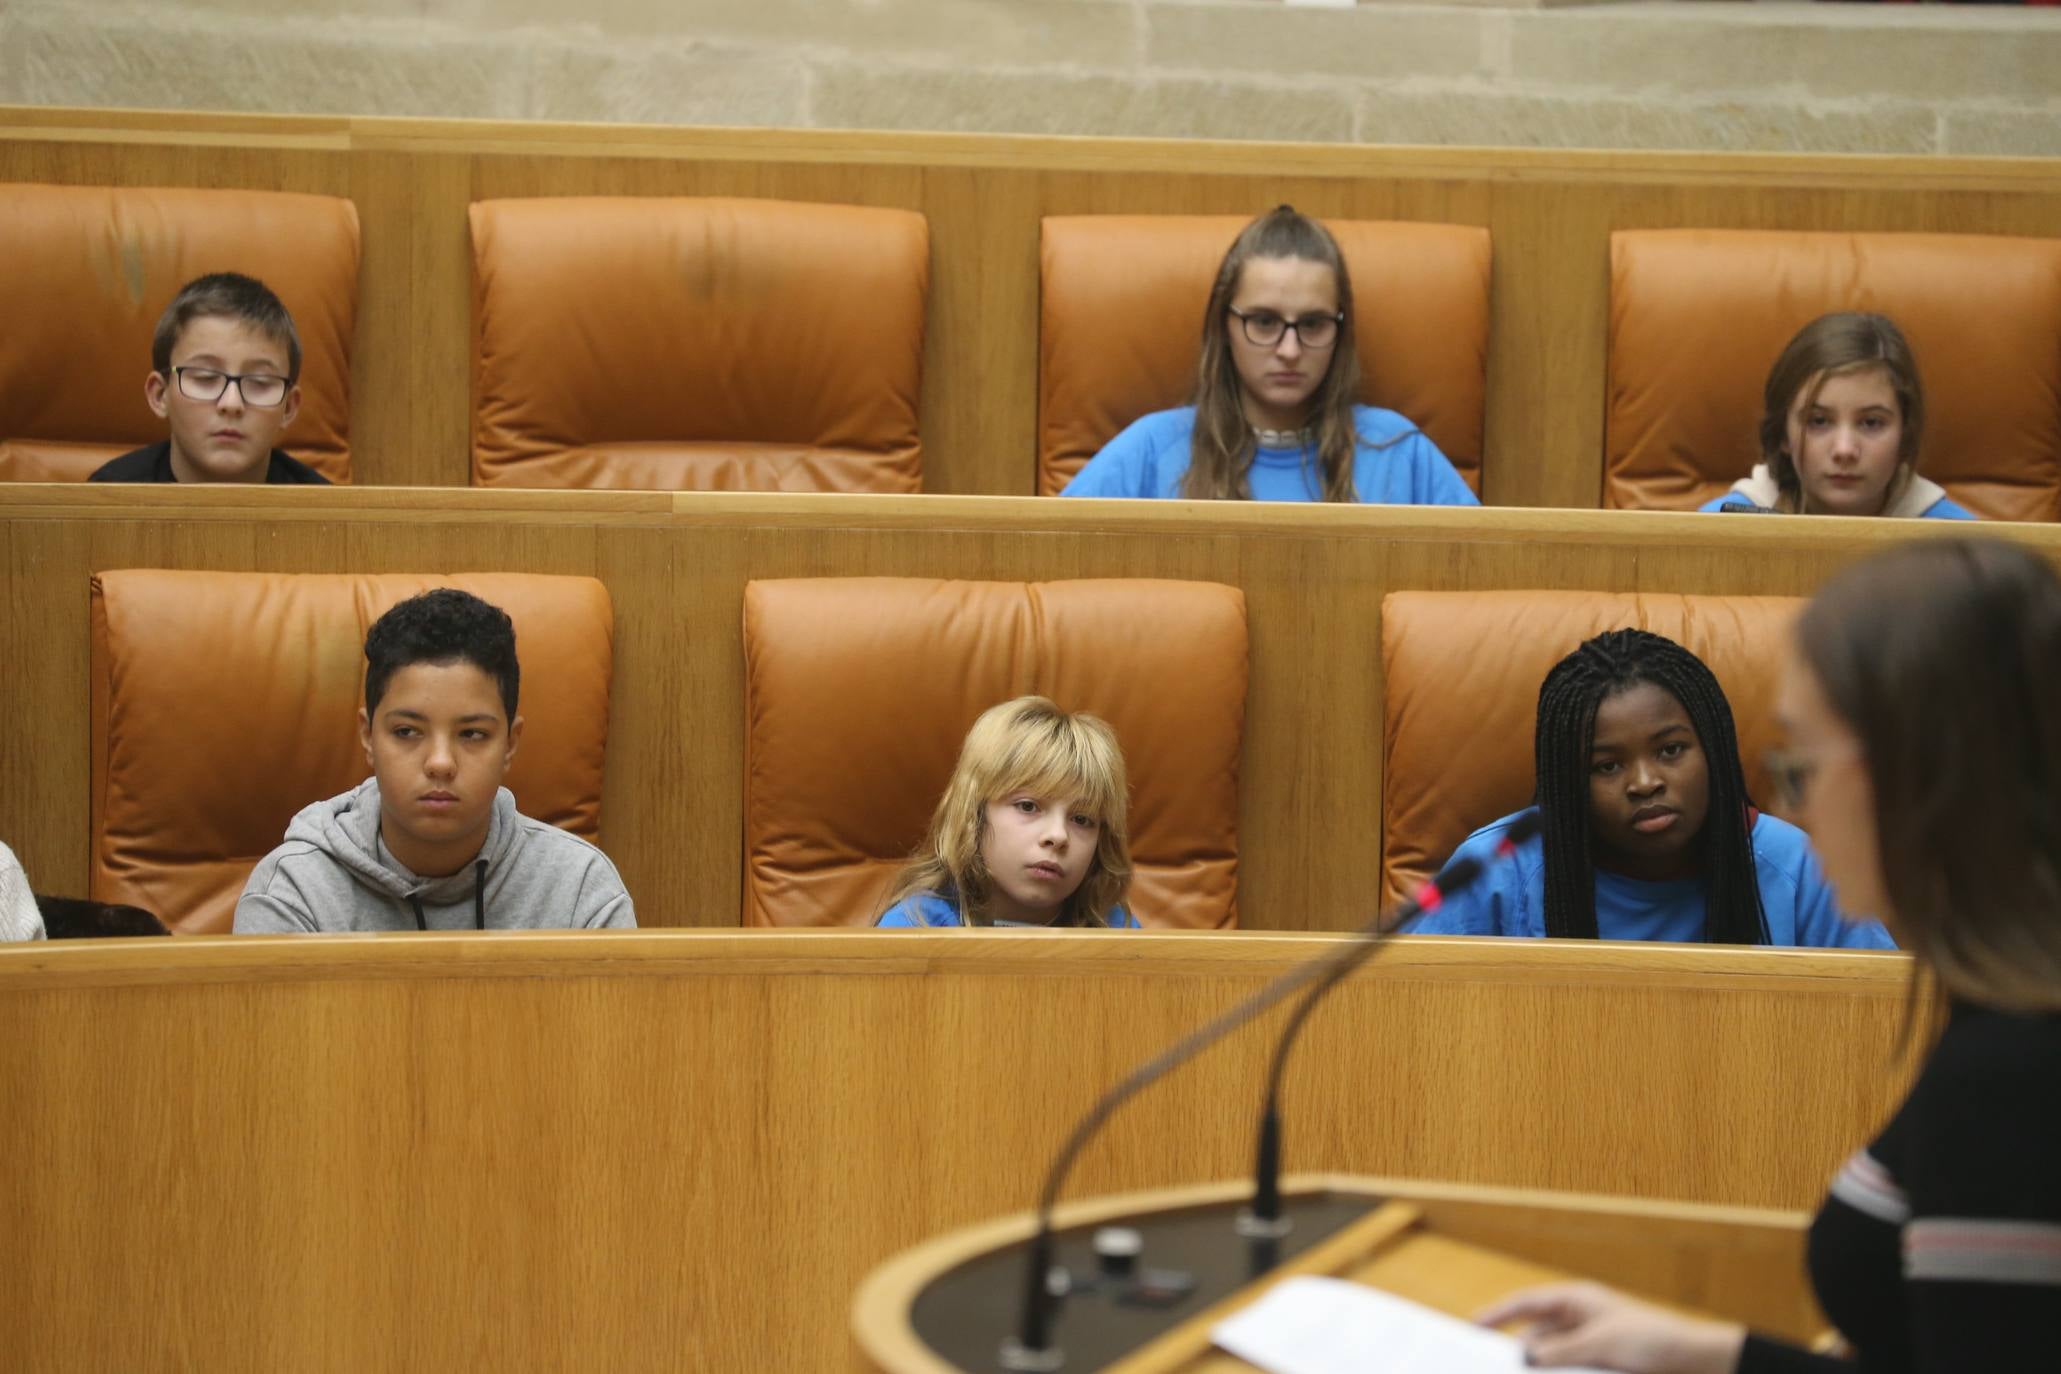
x,y
261,389
1265,328
1791,774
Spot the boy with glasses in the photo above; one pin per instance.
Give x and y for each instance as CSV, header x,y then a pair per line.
x,y
225,373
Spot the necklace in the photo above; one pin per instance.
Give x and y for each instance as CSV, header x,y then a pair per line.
x,y
1282,438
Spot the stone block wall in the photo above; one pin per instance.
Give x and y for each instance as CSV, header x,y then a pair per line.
x,y
1724,74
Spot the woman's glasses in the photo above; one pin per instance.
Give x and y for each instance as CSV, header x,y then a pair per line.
x,y
1790,773
1265,328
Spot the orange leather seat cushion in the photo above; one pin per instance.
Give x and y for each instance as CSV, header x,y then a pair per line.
x,y
1461,689
1120,326
859,692
90,269
697,344
223,703
1698,316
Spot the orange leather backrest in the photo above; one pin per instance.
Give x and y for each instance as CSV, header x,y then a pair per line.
x,y
1460,697
225,702
1120,325
753,345
859,692
1698,316
90,268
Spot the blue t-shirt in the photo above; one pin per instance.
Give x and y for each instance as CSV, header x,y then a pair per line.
x,y
930,909
1945,508
1510,898
1151,457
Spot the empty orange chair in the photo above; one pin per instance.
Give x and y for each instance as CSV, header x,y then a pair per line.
x,y
90,269
1698,316
1461,688
859,691
752,345
223,703
1121,301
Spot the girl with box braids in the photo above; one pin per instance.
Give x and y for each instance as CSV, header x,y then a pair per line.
x,y
1562,743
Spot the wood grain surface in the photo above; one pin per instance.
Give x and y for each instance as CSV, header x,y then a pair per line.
x,y
1454,1248
674,1150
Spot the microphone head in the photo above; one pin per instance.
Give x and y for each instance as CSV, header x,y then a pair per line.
x,y
1527,824
1456,875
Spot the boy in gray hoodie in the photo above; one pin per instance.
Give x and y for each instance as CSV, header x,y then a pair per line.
x,y
432,841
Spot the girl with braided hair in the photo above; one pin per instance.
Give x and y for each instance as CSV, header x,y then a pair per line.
x,y
1647,832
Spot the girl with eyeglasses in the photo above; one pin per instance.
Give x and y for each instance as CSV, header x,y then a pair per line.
x,y
1647,831
1275,417
1917,698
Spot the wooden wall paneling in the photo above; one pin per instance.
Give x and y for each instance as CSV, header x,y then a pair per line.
x,y
683,1149
1548,313
412,371
980,355
44,772
1312,752
678,819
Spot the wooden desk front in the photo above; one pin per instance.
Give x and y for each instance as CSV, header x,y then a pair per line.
x,y
682,1150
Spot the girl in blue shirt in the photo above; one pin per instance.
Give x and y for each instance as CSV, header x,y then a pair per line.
x,y
1274,417
1647,831
1843,413
1030,830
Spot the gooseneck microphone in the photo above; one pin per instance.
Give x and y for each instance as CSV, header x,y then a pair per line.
x,y
1031,1350
1263,1222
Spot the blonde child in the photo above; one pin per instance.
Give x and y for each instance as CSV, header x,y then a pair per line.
x,y
1030,830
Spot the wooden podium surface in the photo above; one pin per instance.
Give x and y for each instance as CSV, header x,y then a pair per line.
x,y
680,1149
1451,1248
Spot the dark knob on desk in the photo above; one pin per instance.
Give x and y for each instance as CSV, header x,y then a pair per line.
x,y
1116,1251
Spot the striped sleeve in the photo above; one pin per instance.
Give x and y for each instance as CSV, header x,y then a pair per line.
x,y
1979,1250
1981,1164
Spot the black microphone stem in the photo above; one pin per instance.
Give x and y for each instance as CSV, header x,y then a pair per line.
x,y
1263,1222
1035,1339
1026,1350
1031,1349
1266,1196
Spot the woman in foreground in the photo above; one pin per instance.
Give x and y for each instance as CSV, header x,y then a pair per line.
x,y
1925,762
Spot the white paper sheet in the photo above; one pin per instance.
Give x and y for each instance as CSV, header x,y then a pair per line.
x,y
1329,1326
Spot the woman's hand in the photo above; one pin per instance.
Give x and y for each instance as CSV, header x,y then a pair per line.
x,y
1588,1324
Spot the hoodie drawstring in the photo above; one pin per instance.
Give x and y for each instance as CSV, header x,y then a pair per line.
x,y
479,900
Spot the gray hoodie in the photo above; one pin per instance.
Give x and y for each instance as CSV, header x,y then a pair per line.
x,y
332,874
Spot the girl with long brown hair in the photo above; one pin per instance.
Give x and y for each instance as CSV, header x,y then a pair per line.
x,y
1276,414
1843,415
